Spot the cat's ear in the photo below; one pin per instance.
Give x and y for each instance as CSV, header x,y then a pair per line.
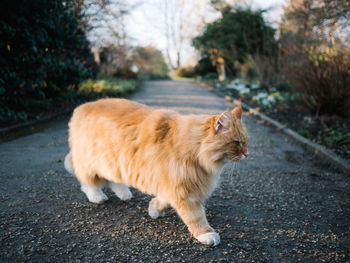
x,y
237,112
223,122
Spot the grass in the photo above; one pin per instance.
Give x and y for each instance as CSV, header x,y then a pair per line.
x,y
182,78
214,82
72,96
334,139
108,87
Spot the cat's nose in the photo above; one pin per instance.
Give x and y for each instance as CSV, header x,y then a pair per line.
x,y
246,154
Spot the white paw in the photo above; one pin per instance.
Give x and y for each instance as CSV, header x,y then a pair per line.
x,y
94,194
97,198
211,239
125,195
154,213
121,190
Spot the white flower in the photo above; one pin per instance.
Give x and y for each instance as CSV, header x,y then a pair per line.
x,y
254,86
261,96
230,86
244,91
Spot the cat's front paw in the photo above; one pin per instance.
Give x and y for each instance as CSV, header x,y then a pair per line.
x,y
125,195
121,190
154,212
210,238
97,198
94,194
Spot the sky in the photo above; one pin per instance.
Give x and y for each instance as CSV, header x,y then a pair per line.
x,y
144,25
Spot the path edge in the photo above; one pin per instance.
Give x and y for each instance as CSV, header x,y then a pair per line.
x,y
24,125
32,123
315,148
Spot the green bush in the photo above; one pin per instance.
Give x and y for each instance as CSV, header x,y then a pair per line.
x,y
146,77
283,87
236,35
43,50
322,79
334,139
204,65
251,73
107,87
211,75
150,63
185,72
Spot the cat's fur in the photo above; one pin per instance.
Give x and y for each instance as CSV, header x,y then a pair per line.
x,y
160,152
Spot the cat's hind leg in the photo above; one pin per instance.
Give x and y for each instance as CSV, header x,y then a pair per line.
x,y
94,193
121,190
156,207
91,185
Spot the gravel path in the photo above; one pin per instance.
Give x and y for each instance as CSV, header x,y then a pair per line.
x,y
280,205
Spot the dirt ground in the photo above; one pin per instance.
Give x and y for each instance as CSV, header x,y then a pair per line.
x,y
282,204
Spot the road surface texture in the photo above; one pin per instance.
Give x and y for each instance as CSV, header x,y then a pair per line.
x,y
282,204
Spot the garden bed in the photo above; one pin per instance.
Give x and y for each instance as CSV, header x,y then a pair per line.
x,y
89,90
333,132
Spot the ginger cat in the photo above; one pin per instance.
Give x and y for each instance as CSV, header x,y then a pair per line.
x,y
160,152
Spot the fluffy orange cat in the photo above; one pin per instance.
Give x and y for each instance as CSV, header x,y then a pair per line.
x,y
173,157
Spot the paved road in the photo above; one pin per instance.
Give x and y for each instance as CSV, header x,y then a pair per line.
x,y
280,205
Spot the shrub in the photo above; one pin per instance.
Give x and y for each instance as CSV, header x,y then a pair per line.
x,y
150,63
151,77
211,75
186,72
283,86
107,87
323,79
125,73
204,66
43,49
239,34
251,73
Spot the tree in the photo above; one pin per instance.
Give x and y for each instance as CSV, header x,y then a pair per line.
x,y
150,62
240,34
107,32
177,22
315,54
331,12
116,61
204,65
106,22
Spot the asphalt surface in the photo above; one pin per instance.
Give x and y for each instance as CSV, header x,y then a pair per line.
x,y
282,204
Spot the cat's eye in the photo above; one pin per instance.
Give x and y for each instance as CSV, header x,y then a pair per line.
x,y
237,143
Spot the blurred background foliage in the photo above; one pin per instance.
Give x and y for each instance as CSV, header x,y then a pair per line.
x,y
309,52
43,50
58,53
149,63
47,61
297,72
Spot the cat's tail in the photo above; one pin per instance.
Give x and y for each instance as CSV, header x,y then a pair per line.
x,y
68,164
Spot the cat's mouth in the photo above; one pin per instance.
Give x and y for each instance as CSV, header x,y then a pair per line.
x,y
239,158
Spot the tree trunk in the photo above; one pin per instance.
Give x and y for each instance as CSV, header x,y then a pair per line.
x,y
178,62
220,67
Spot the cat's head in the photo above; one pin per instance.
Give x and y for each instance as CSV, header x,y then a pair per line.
x,y
227,138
